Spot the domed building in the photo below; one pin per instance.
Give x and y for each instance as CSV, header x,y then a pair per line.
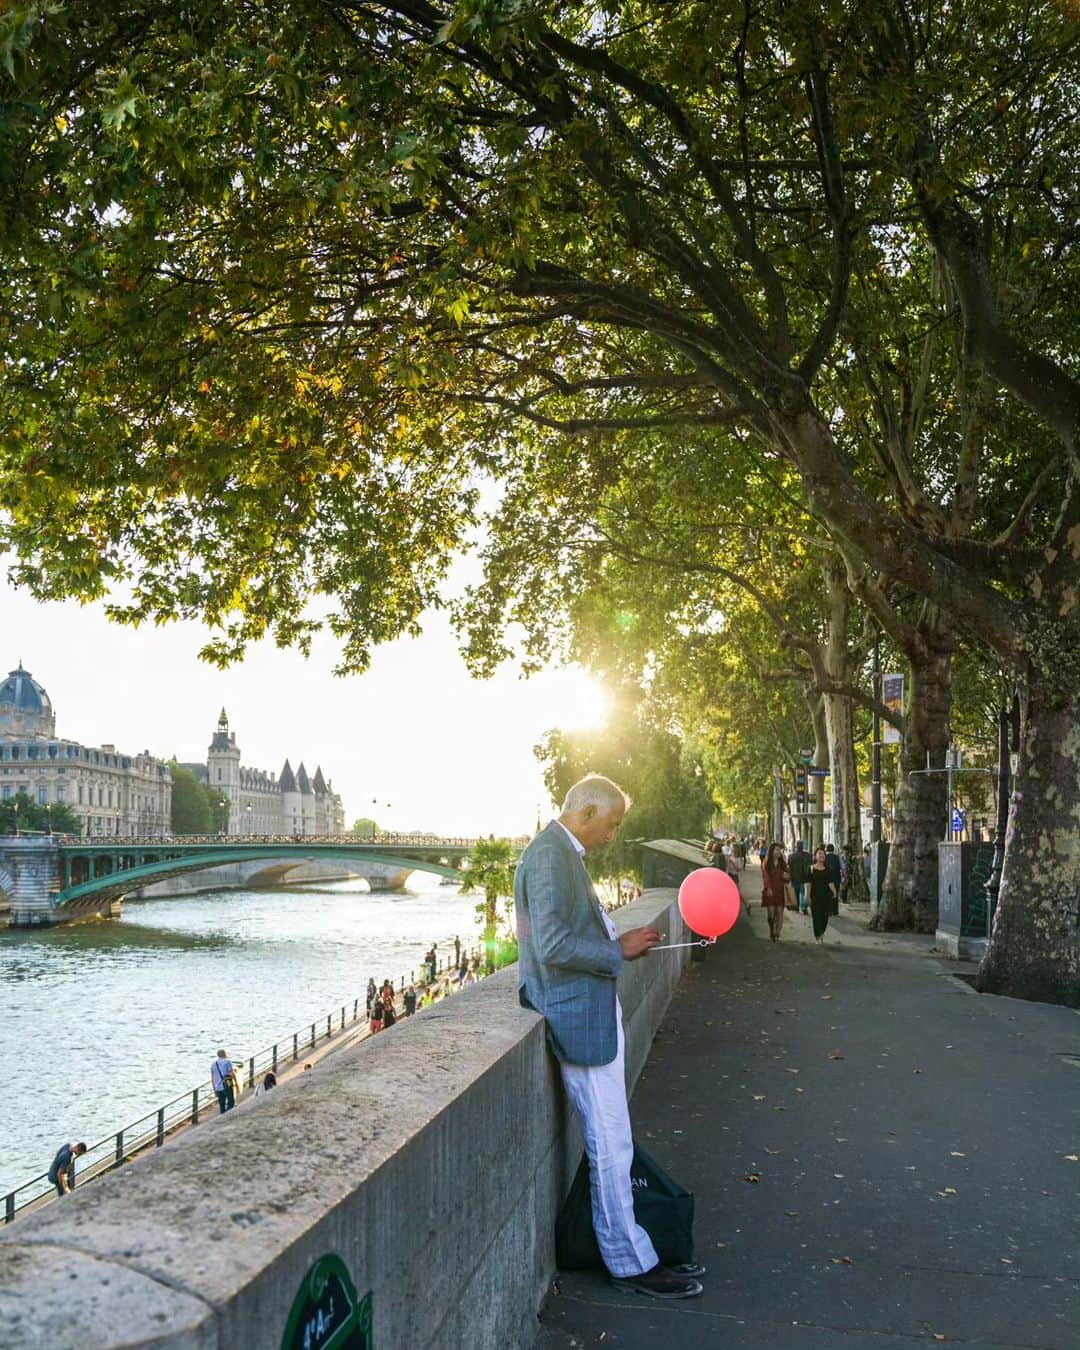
x,y
111,793
25,707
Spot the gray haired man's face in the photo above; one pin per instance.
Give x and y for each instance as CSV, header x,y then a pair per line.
x,y
596,827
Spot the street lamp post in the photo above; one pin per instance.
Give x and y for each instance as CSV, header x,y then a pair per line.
x,y
247,818
15,808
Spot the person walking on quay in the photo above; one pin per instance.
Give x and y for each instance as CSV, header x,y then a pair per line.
x,y
457,950
223,1081
375,1023
371,993
409,1000
62,1170
836,873
799,871
823,893
774,883
389,1015
569,959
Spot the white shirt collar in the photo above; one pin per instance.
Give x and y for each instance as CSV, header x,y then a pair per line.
x,y
578,845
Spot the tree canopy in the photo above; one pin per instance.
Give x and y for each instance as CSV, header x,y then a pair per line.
x,y
196,808
282,285
20,813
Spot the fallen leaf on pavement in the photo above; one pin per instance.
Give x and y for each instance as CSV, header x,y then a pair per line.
x,y
760,1099
751,1176
825,998
839,1176
791,1213
916,1071
836,1055
954,1154
842,1261
1005,1261
1071,1157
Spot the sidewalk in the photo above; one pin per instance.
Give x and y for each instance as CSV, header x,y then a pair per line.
x,y
881,1157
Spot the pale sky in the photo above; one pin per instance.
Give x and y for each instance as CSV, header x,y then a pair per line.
x,y
435,749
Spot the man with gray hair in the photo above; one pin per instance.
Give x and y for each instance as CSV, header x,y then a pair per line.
x,y
569,960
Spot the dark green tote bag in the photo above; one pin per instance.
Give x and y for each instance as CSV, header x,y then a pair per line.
x,y
663,1208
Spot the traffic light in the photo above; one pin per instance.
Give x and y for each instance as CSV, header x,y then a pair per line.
x,y
800,789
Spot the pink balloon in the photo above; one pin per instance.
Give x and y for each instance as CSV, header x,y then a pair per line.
x,y
709,902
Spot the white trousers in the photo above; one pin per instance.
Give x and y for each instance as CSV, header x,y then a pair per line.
x,y
597,1093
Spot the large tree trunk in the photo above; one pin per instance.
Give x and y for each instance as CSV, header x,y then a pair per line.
x,y
844,777
909,897
815,785
1034,949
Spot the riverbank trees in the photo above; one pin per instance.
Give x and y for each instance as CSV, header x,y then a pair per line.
x,y
283,280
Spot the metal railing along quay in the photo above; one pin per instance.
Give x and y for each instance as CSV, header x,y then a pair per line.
x,y
379,837
151,1130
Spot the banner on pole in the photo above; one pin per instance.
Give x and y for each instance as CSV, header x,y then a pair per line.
x,y
892,695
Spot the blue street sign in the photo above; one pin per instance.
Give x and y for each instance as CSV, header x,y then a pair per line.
x,y
817,773
957,821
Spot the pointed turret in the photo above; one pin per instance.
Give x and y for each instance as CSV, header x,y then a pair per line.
x,y
221,739
287,781
303,782
318,783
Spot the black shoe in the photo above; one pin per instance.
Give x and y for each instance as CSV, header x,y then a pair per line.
x,y
688,1268
659,1283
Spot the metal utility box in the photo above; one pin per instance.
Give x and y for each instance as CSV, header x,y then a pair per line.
x,y
961,930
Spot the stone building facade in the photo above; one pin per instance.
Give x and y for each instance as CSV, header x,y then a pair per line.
x,y
293,803
112,793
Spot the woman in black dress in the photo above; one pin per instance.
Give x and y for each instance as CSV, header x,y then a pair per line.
x,y
822,893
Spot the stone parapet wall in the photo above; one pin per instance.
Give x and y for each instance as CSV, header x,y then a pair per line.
x,y
431,1160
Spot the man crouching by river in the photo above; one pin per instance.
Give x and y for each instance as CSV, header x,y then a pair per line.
x,y
569,959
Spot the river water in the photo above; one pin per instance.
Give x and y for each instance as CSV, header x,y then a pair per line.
x,y
101,1023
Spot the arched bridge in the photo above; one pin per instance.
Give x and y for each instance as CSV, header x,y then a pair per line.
x,y
56,879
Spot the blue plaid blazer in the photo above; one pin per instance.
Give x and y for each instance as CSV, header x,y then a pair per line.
x,y
567,963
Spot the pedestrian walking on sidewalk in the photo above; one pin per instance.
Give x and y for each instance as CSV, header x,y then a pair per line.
x,y
223,1081
375,1023
835,864
799,869
774,882
569,959
371,993
823,893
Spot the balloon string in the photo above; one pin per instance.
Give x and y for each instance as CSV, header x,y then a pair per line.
x,y
670,946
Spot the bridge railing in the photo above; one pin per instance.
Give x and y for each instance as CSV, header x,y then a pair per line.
x,y
380,837
151,1130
